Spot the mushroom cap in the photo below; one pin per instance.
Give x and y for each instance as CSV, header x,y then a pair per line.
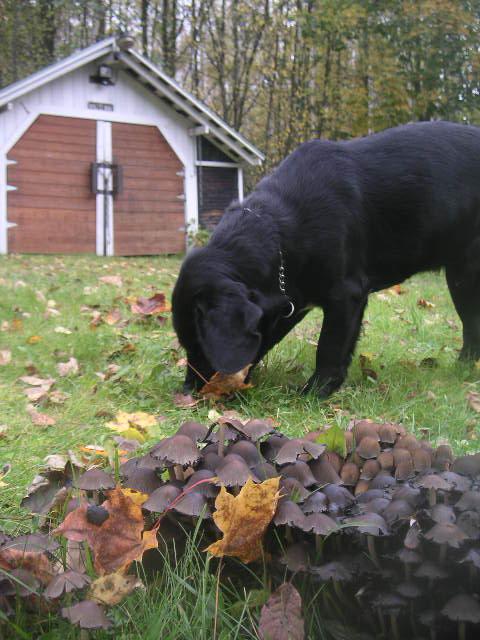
x,y
265,470
365,429
431,570
407,556
338,496
408,442
377,505
289,513
386,460
337,571
293,489
296,557
382,480
315,503
334,459
369,523
412,539
368,448
301,471
208,489
469,523
246,450
211,461
446,533
441,513
409,590
324,472
256,429
320,524
272,445
400,455
443,457
458,482
389,601
362,487
472,557
462,608
194,430
369,469
433,481
408,493
161,498
371,494
144,480
177,449
193,504
229,433
293,448
422,460
387,433
467,465
350,474
404,470
94,480
470,501
398,509
234,472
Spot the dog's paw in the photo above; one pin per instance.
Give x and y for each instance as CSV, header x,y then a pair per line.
x,y
322,387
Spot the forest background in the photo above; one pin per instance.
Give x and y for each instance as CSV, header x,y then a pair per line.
x,y
280,71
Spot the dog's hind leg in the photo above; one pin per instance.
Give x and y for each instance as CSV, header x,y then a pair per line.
x,y
464,285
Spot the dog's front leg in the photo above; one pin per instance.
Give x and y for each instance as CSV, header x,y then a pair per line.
x,y
339,334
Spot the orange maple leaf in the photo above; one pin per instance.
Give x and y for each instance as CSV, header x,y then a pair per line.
x,y
223,384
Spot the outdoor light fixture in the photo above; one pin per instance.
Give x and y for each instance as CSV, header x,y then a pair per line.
x,y
125,41
104,75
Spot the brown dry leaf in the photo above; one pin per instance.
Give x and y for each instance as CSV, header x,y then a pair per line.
x,y
182,362
136,426
68,368
17,324
184,401
396,290
243,519
87,614
36,562
34,339
421,302
114,280
57,397
119,540
5,356
3,430
36,394
113,588
40,419
112,317
473,398
281,617
221,384
150,306
36,381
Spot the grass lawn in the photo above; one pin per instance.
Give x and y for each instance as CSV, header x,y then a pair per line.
x,y
46,306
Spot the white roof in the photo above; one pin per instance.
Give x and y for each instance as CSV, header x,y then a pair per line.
x,y
159,82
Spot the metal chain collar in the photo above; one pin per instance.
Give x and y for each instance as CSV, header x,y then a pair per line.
x,y
281,285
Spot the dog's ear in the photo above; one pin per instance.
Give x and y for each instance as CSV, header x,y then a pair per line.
x,y
229,332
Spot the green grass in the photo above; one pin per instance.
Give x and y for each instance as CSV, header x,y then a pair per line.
x,y
398,337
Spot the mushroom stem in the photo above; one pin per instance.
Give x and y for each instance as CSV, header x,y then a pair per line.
x,y
382,622
372,551
288,534
178,472
393,622
432,497
462,630
319,545
221,440
171,473
443,553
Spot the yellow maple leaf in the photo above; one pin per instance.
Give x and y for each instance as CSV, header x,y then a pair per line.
x,y
243,519
113,588
136,496
135,426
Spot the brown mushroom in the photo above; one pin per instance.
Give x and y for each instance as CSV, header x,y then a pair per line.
x,y
315,503
144,480
370,469
161,498
324,472
293,448
95,480
194,430
368,448
462,608
176,452
433,483
246,450
350,474
301,471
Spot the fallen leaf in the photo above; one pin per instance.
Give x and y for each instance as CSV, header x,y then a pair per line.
x,y
114,280
88,615
3,430
396,290
136,426
40,419
5,356
35,381
243,519
34,339
66,582
68,368
473,398
136,496
118,540
17,324
281,617
4,471
221,384
63,330
36,562
113,588
184,401
150,306
334,438
113,317
425,304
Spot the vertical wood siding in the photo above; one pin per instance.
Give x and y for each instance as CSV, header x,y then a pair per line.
x,y
148,215
53,206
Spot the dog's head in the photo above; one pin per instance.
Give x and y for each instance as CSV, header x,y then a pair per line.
x,y
215,317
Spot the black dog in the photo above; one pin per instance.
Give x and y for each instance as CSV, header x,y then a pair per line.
x,y
334,222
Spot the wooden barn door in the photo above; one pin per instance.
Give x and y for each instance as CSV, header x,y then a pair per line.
x,y
149,210
52,206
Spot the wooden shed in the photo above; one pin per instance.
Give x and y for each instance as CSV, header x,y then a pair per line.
x,y
104,153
